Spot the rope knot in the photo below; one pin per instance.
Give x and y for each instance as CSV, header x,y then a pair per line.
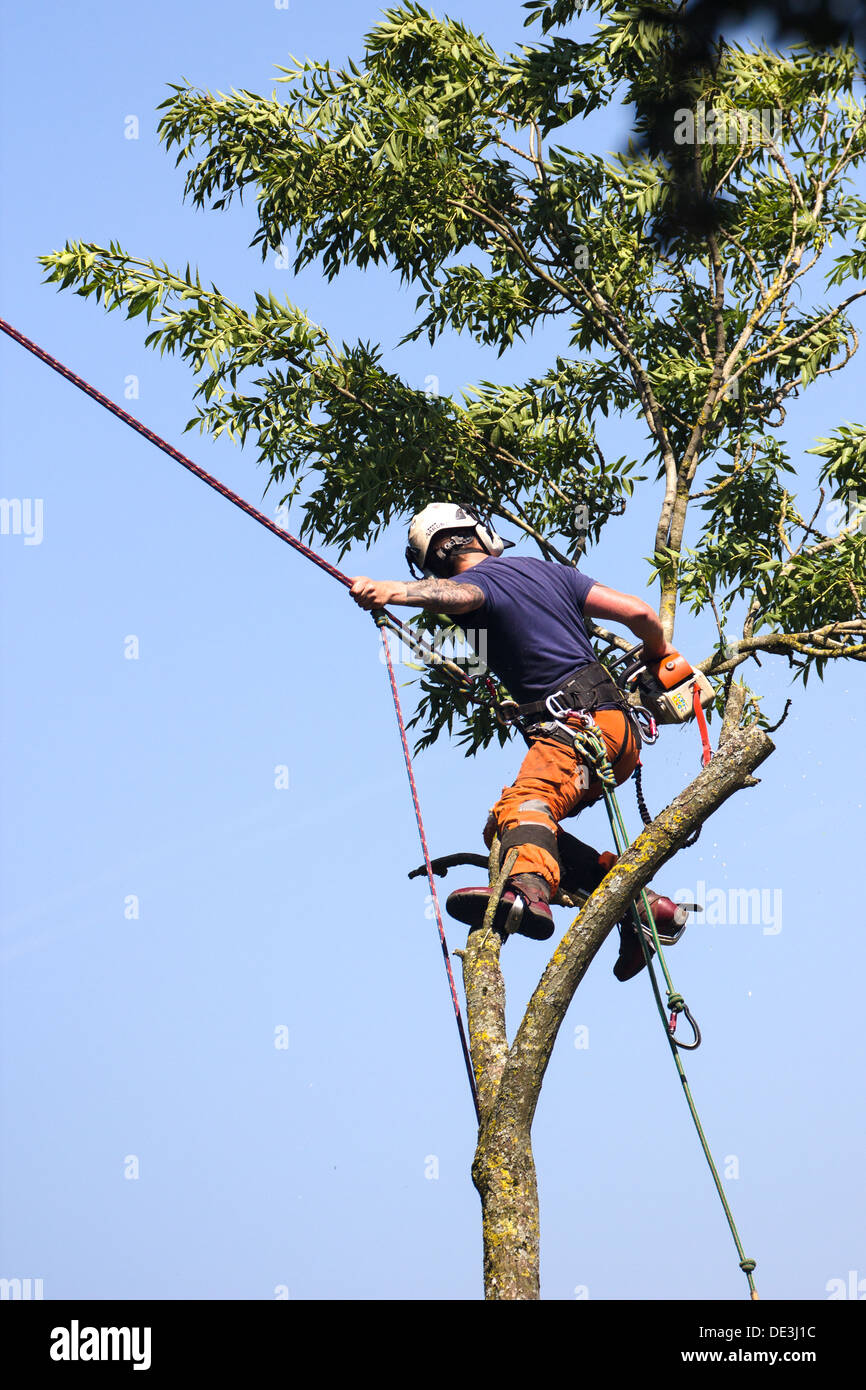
x,y
590,743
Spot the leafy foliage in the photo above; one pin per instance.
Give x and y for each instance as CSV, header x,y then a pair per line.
x,y
452,165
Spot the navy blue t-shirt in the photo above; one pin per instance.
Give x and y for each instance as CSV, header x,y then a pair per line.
x,y
530,629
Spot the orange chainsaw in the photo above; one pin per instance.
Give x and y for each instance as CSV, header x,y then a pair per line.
x,y
669,689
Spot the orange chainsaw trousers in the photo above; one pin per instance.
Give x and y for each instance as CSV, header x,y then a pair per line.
x,y
555,781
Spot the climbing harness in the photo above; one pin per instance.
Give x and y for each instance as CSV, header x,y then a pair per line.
x,y
586,688
589,744
591,688
382,618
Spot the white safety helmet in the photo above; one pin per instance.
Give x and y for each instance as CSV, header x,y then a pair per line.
x,y
439,517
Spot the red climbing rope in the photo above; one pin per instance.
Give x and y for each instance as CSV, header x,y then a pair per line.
x,y
422,647
430,879
172,452
382,617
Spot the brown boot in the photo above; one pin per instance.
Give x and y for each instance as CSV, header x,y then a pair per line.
x,y
631,960
670,919
535,920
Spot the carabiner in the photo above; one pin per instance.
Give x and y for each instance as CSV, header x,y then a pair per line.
x,y
555,708
672,1028
647,726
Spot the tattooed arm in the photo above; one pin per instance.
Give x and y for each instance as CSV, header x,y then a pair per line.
x,y
436,595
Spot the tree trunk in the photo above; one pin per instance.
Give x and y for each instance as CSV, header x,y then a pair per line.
x,y
504,1174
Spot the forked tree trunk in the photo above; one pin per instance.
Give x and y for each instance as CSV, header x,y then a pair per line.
x,y
509,1078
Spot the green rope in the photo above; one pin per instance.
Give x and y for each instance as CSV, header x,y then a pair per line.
x,y
589,742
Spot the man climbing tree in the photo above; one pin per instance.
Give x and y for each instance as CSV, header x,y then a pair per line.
x,y
537,644
703,282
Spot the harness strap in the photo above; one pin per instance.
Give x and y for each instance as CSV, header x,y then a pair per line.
x,y
586,688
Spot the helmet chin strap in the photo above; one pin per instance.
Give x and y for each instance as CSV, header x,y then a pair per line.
x,y
449,553
446,553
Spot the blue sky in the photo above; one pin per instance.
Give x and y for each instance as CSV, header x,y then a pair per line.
x,y
147,1044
